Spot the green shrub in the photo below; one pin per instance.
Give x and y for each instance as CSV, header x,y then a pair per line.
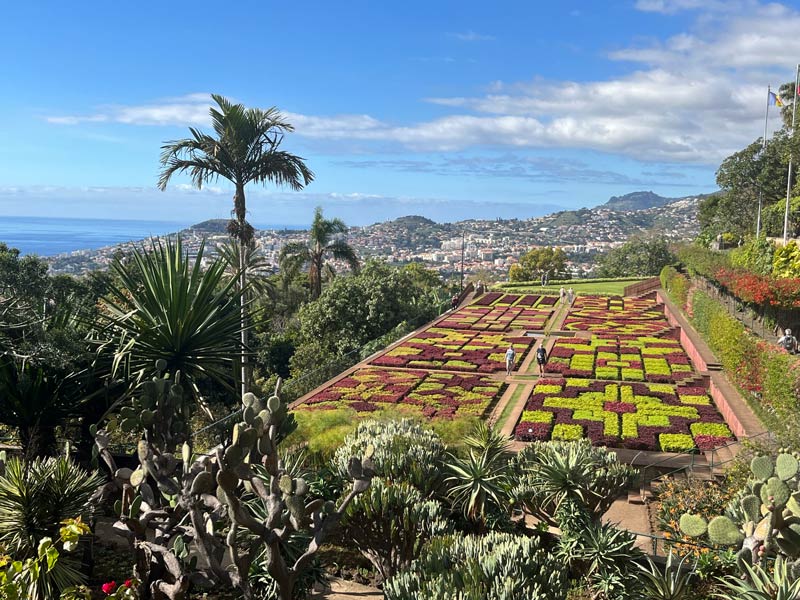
x,y
676,442
323,431
404,451
497,566
676,285
552,474
389,524
35,498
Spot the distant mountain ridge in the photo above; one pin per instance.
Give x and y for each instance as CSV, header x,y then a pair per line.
x,y
638,201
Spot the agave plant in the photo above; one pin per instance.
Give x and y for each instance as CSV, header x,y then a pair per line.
x,y
35,498
557,474
673,583
481,479
761,584
168,306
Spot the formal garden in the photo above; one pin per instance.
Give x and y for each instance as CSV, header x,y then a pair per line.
x,y
186,426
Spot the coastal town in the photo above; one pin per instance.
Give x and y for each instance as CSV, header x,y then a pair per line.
x,y
471,246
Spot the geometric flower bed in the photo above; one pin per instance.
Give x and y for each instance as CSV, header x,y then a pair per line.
x,y
431,394
626,358
450,349
626,316
641,416
498,318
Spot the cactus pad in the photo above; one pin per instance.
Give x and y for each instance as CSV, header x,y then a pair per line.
x,y
762,467
273,404
203,483
786,466
762,529
723,531
227,480
777,490
285,484
751,505
693,525
137,477
249,399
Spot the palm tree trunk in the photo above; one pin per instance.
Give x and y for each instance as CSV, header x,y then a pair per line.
x,y
240,212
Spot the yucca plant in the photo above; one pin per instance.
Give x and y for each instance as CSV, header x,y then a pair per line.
x,y
35,498
672,583
761,584
169,306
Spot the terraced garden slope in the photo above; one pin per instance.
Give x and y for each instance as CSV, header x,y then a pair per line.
x,y
616,373
624,382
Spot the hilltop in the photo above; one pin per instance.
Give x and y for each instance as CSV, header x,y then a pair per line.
x,y
496,242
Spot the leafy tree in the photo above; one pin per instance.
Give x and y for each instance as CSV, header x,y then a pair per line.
x,y
179,312
754,255
354,310
246,149
322,241
536,262
638,257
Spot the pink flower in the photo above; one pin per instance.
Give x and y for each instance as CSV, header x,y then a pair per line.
x,y
128,583
108,588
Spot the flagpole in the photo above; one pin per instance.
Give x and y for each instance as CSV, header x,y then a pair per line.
x,y
789,176
763,148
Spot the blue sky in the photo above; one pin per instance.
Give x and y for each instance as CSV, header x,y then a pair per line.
x,y
448,109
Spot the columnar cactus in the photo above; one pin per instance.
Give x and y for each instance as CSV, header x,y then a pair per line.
x,y
177,532
765,519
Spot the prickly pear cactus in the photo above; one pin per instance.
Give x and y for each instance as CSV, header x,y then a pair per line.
x,y
185,515
764,520
161,411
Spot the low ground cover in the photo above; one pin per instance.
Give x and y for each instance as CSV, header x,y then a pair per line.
x,y
497,318
627,358
431,394
642,416
611,287
456,350
624,316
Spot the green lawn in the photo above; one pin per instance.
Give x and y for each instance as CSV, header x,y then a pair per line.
x,y
612,288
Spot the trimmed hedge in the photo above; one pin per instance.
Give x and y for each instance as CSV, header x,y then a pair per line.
x,y
766,373
535,282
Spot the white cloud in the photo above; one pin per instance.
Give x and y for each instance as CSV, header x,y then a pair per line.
x,y
692,98
669,7
471,36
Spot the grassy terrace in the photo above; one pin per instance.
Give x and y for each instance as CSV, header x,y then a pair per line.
x,y
605,288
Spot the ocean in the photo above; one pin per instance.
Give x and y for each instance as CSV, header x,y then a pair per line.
x,y
47,236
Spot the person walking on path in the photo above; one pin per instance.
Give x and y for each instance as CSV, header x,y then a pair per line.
x,y
454,302
541,357
561,294
570,296
511,356
788,341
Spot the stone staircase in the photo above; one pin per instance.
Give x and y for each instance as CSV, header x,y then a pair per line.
x,y
708,466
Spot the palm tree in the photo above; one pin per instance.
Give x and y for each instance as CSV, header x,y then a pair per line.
x,y
322,241
246,149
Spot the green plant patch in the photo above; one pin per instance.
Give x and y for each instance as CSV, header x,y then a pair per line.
x,y
676,442
562,431
713,429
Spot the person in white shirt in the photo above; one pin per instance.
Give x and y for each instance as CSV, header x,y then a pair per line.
x,y
511,355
